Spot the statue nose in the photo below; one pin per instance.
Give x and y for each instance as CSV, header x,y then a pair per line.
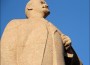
x,y
45,6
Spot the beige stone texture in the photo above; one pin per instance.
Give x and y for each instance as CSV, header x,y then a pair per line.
x,y
25,42
33,41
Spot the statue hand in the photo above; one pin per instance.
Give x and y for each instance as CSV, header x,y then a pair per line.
x,y
66,41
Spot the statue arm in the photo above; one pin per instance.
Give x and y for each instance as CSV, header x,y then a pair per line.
x,y
8,50
71,57
73,60
67,44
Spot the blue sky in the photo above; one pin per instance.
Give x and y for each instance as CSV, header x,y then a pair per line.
x,y
70,16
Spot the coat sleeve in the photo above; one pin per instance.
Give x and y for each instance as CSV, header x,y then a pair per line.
x,y
8,46
74,60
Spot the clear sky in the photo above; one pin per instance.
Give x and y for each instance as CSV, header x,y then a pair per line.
x,y
70,16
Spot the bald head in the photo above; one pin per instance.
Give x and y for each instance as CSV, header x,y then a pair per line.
x,y
36,6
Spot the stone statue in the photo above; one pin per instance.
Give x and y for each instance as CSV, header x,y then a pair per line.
x,y
35,41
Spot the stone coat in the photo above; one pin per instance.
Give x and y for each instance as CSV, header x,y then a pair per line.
x,y
32,43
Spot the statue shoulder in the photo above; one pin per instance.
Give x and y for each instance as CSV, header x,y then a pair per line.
x,y
14,23
54,28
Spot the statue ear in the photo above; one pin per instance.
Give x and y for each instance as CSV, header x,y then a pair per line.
x,y
29,8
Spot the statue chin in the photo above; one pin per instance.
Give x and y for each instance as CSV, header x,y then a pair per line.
x,y
46,14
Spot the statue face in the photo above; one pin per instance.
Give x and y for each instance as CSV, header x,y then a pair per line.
x,y
38,6
41,6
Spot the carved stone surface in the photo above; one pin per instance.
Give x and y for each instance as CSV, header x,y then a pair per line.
x,y
33,41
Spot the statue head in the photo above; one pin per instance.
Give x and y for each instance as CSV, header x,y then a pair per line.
x,y
37,6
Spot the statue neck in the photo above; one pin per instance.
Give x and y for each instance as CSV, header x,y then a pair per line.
x,y
36,15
